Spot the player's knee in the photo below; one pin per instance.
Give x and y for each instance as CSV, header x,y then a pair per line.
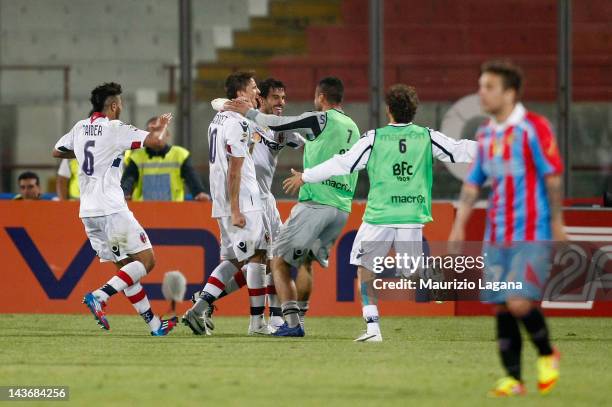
x,y
519,307
150,264
259,256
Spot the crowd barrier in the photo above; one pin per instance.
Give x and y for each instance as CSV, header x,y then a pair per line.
x,y
48,264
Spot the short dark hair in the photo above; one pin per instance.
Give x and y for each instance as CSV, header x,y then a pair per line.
x,y
237,81
101,93
512,75
332,88
29,175
403,102
268,84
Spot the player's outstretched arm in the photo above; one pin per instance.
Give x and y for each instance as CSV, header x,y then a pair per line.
x,y
450,150
309,124
355,159
158,136
234,175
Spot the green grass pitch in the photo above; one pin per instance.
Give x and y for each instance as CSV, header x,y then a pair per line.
x,y
423,361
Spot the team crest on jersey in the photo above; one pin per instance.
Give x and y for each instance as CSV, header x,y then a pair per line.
x,y
242,246
143,237
244,125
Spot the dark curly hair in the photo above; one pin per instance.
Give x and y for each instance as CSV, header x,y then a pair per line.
x,y
100,95
403,102
269,84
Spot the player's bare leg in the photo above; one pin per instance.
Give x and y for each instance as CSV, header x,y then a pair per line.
x,y
369,303
303,283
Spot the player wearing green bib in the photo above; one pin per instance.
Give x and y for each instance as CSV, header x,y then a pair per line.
x,y
399,160
323,208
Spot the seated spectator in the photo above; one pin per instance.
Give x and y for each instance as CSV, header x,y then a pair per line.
x,y
29,186
160,175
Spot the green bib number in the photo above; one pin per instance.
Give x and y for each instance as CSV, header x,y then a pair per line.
x,y
338,136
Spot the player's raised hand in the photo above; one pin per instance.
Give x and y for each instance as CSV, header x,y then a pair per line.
x,y
292,184
162,124
239,105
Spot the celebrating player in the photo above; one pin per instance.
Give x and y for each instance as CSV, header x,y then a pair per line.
x,y
238,209
268,144
321,213
517,151
98,143
398,158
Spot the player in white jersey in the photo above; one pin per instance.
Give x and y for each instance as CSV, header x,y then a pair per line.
x,y
268,144
98,143
238,209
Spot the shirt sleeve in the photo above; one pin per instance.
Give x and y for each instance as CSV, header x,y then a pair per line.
x,y
66,143
354,159
237,137
128,137
476,174
447,149
544,149
64,169
294,140
309,124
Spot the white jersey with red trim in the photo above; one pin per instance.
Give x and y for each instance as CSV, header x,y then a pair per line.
x,y
231,135
99,144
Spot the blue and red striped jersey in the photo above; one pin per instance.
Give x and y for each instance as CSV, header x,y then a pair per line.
x,y
516,156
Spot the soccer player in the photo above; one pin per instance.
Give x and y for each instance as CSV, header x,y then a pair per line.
x,y
398,158
268,145
265,155
517,151
98,143
321,213
238,209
